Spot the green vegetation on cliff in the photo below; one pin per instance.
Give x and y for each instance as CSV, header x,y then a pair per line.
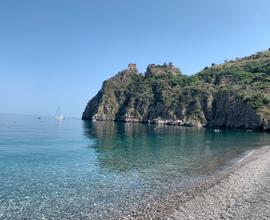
x,y
235,94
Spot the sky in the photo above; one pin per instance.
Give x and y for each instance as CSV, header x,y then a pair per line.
x,y
58,52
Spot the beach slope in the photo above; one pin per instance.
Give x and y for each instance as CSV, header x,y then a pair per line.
x,y
240,192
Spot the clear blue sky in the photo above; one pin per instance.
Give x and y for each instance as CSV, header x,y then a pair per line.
x,y
58,52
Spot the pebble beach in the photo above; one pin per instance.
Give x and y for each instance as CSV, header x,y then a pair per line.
x,y
240,192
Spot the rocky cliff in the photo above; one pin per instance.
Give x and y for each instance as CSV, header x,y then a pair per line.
x,y
235,94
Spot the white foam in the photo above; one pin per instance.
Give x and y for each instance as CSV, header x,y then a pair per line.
x,y
245,157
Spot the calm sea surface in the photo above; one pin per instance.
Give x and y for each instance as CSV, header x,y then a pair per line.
x,y
100,170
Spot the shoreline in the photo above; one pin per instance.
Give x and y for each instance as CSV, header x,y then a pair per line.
x,y
232,193
176,123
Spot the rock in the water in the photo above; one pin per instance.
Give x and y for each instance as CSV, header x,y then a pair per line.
x,y
235,94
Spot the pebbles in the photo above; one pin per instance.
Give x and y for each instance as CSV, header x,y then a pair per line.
x,y
241,192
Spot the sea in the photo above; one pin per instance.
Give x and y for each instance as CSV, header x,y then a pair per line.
x,y
76,169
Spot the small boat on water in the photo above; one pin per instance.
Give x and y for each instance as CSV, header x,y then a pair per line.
x,y
58,115
216,130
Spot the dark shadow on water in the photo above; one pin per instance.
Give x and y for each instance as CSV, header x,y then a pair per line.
x,y
124,147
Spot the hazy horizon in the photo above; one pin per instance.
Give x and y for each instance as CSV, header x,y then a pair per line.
x,y
59,53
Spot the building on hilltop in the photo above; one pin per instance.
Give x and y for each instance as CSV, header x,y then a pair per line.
x,y
155,70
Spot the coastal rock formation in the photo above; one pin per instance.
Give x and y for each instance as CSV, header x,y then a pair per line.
x,y
235,94
157,70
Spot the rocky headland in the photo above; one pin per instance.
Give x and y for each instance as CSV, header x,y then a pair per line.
x,y
235,94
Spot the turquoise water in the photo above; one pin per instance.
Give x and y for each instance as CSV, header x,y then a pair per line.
x,y
101,170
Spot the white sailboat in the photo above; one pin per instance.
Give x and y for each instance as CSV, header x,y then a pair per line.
x,y
59,116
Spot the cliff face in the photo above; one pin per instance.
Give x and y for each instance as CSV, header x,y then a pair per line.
x,y
235,94
110,99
